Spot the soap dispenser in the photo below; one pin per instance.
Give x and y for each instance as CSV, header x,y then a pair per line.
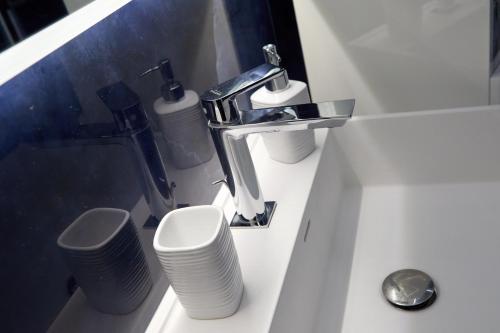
x,y
285,147
181,121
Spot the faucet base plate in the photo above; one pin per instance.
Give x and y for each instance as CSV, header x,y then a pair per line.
x,y
239,221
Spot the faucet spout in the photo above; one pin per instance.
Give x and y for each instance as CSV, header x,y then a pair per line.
x,y
290,118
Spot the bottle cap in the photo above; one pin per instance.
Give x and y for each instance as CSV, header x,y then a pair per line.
x,y
172,91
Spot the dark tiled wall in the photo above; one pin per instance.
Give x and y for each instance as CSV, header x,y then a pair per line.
x,y
48,178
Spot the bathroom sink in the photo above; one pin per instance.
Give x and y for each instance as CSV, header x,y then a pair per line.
x,y
428,198
449,231
413,190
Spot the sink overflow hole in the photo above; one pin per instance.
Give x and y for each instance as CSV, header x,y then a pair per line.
x,y
307,230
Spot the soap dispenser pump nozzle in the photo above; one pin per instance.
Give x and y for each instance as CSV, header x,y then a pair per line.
x,y
171,90
272,57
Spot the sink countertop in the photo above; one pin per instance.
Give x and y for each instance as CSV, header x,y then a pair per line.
x,y
264,254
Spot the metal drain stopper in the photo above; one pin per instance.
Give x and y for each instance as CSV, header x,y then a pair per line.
x,y
409,289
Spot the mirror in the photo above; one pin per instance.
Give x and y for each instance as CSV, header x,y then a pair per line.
x,y
73,148
20,19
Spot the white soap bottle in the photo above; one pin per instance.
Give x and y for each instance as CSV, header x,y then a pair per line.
x,y
285,147
182,121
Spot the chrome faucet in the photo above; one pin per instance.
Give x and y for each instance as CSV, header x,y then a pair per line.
x,y
230,125
132,124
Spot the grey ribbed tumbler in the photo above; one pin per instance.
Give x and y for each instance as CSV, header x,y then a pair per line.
x,y
104,253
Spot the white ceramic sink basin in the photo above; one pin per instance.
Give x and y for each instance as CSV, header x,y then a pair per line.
x,y
427,197
416,190
449,231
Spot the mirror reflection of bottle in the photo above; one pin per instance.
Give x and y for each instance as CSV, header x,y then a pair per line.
x,y
181,120
183,125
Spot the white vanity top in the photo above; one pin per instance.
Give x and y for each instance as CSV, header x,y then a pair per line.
x,y
264,254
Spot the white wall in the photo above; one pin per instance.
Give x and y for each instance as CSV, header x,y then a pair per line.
x,y
20,57
397,55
